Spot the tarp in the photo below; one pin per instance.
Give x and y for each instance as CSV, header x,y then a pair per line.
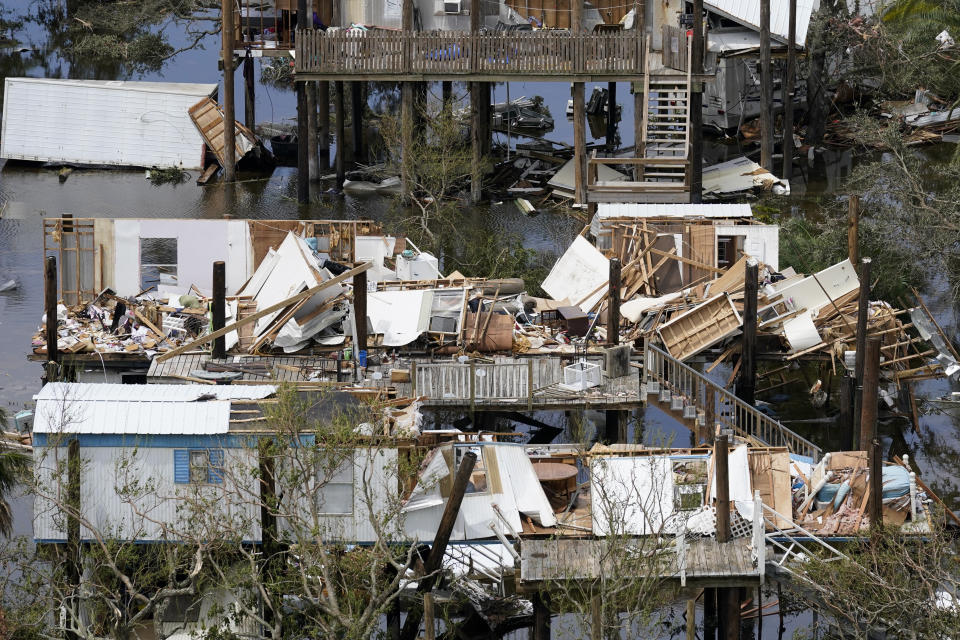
x,y
401,316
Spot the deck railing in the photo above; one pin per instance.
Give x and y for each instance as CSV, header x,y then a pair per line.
x,y
455,383
539,53
719,405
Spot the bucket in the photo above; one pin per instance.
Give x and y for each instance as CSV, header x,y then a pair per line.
x,y
362,357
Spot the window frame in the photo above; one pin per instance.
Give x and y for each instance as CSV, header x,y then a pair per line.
x,y
335,481
214,465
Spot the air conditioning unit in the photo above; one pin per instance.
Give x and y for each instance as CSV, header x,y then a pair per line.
x,y
450,7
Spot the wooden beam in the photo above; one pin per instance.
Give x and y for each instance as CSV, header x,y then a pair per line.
x,y
346,275
691,262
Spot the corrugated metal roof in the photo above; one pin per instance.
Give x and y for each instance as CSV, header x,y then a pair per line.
x,y
747,13
139,409
634,210
152,392
138,124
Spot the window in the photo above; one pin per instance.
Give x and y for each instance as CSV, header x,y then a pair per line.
x,y
335,495
689,483
198,466
158,262
478,478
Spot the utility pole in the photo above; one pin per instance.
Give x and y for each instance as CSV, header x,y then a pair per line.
x,y
766,89
229,117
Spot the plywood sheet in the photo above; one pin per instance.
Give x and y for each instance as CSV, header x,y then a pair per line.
x,y
703,248
208,119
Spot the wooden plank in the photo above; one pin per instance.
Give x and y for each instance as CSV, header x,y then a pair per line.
x,y
259,314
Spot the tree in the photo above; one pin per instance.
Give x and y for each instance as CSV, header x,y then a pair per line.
x,y
14,469
148,548
907,582
434,214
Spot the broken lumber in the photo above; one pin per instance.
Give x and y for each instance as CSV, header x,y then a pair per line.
x,y
346,275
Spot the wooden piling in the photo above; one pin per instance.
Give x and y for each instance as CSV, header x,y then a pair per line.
x,y
696,106
871,384
709,614
613,303
249,93
303,128
74,560
50,308
853,226
433,563
766,89
861,342
406,138
722,473
541,616
788,91
485,119
429,624
323,123
313,159
360,309
691,619
229,118
447,93
579,143
219,308
638,107
845,402
356,119
731,618
339,110
876,489
611,116
476,145
746,384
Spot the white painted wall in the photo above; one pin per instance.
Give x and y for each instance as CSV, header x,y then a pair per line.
x,y
762,241
200,243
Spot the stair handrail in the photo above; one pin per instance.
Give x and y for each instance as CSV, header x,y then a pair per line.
x,y
794,442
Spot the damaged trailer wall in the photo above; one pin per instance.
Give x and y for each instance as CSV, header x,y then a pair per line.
x,y
199,243
96,122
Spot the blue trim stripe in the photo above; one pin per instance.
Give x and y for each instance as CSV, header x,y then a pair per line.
x,y
147,441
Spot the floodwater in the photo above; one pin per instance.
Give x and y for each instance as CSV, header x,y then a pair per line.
x,y
29,194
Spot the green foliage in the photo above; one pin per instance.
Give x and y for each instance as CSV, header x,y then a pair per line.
x,y
901,50
892,582
170,175
434,214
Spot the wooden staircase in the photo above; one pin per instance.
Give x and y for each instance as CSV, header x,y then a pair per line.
x,y
662,165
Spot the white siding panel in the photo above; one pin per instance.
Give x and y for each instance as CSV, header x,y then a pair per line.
x,y
631,496
141,124
762,241
129,494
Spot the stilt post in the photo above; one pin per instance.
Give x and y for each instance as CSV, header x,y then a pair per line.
x,y
696,106
229,118
722,472
788,91
219,308
746,385
863,310
341,134
766,89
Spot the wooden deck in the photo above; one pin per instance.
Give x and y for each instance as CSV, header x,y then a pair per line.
x,y
549,56
708,562
513,384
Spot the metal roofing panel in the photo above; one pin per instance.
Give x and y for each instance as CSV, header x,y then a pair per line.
x,y
151,392
132,417
141,124
747,13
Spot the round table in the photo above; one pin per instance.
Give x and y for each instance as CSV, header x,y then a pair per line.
x,y
558,480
